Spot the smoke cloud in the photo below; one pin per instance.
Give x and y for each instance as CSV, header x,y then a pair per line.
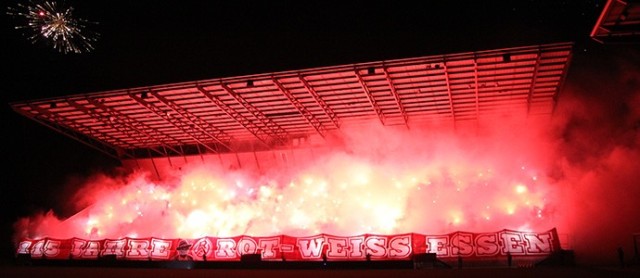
x,y
576,171
596,167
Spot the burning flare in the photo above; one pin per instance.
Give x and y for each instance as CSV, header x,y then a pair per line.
x,y
405,182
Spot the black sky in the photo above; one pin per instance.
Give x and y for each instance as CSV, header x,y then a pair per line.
x,y
157,42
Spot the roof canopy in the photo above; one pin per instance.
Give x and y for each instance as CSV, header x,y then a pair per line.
x,y
270,110
619,22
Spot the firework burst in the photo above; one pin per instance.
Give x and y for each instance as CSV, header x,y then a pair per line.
x,y
54,24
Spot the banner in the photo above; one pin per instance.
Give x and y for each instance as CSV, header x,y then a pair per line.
x,y
311,248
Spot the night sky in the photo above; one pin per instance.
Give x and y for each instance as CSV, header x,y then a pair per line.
x,y
156,42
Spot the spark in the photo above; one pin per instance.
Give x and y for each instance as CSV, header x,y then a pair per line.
x,y
520,189
54,24
346,195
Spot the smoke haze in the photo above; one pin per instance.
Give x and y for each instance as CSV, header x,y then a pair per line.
x,y
577,171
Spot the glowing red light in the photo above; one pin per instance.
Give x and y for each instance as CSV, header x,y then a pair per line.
x,y
330,192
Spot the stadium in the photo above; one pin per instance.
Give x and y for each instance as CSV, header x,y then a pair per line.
x,y
387,167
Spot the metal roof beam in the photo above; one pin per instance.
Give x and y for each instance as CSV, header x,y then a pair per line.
x,y
446,78
326,108
275,131
533,81
219,135
75,131
396,97
108,121
477,90
370,97
89,131
99,117
561,82
129,125
258,132
190,128
308,116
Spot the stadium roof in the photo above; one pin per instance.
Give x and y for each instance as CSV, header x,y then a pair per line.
x,y
266,111
619,22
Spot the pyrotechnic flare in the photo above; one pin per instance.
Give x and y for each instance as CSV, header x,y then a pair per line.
x,y
54,24
334,193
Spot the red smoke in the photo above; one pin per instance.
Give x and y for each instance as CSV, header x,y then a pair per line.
x,y
577,171
596,168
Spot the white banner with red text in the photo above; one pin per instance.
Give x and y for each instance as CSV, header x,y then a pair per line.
x,y
282,247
